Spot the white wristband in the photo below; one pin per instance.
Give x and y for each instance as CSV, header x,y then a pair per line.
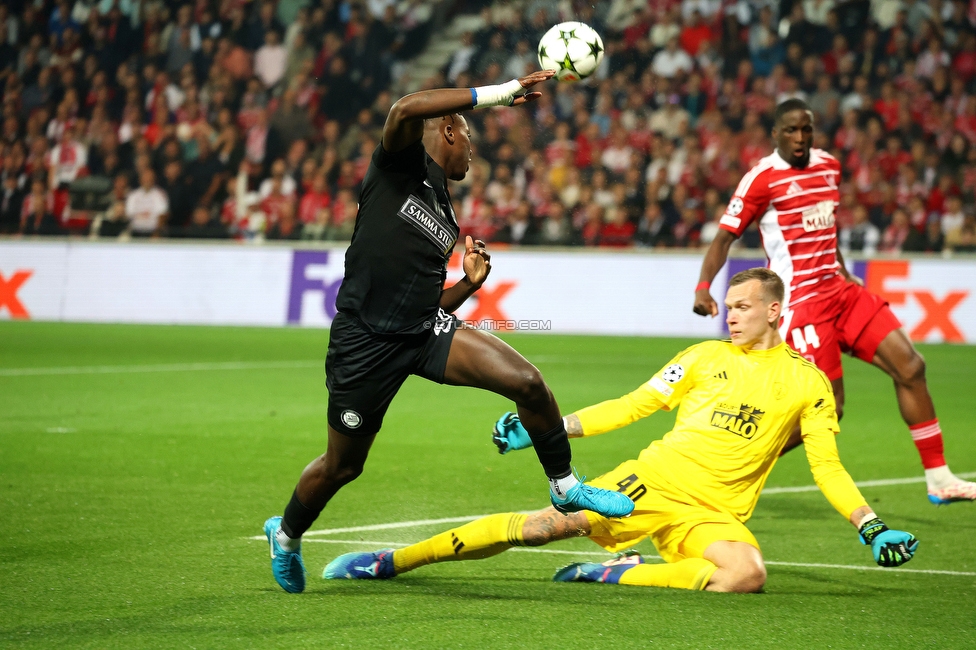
x,y
498,95
866,518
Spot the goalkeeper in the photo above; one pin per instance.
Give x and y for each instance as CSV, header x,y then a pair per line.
x,y
695,488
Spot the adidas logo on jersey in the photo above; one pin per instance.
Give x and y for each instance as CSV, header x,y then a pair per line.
x,y
721,375
794,188
456,543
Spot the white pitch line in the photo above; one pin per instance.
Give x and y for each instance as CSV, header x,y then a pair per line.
x,y
417,523
163,367
871,568
396,524
552,551
517,549
861,484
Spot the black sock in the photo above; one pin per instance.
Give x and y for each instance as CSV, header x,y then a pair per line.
x,y
298,517
554,452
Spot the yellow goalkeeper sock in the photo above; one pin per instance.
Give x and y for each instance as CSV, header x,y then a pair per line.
x,y
691,573
473,541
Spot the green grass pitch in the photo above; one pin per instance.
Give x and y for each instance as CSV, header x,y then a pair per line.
x,y
127,500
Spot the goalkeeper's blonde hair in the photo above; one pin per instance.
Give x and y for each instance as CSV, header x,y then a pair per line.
x,y
772,285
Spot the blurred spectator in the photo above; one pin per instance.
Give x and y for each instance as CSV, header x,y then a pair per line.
x,y
344,211
687,232
176,186
653,230
290,121
556,229
461,59
930,241
861,236
37,212
671,119
270,60
318,228
285,225
147,206
694,34
314,200
896,234
204,226
618,232
286,184
952,219
593,224
672,60
518,227
710,229
664,30
966,241
11,205
68,160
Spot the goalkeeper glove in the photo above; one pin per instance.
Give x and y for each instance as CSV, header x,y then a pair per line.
x,y
509,434
890,547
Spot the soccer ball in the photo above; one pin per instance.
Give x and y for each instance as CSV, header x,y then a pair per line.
x,y
572,49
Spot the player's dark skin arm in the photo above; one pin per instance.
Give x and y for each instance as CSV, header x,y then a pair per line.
x,y
715,259
477,266
844,272
405,123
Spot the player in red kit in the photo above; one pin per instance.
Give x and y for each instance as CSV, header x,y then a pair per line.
x,y
793,193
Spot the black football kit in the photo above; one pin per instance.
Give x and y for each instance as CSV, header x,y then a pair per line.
x,y
389,323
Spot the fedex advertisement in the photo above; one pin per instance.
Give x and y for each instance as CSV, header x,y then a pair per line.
x,y
567,292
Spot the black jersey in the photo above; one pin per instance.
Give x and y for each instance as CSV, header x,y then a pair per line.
x,y
405,233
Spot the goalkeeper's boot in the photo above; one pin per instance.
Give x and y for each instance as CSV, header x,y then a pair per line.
x,y
959,491
377,565
586,497
609,571
287,566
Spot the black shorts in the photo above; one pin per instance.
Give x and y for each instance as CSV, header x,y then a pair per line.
x,y
364,371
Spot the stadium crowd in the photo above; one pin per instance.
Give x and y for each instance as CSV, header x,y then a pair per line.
x,y
258,119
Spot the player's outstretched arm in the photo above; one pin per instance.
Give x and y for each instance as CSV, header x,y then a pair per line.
x,y
477,266
715,259
891,548
818,424
665,390
844,272
405,122
510,435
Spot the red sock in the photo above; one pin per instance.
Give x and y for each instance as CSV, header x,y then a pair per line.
x,y
927,437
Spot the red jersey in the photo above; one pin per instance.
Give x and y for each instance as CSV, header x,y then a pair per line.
x,y
795,211
310,205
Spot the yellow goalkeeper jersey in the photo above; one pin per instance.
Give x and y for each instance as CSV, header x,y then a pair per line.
x,y
737,410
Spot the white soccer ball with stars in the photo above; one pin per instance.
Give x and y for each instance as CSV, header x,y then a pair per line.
x,y
572,49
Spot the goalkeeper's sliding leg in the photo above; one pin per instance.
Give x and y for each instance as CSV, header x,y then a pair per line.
x,y
725,565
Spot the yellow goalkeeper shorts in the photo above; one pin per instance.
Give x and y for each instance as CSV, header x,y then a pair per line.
x,y
678,527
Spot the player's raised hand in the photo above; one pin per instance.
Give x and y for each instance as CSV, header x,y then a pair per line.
x,y
890,548
477,261
509,434
705,305
529,81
